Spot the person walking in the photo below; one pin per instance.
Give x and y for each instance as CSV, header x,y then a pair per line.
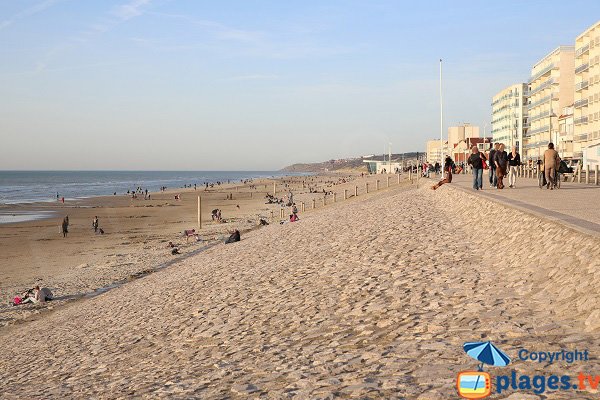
x,y
476,160
551,161
491,154
95,224
501,162
514,160
65,226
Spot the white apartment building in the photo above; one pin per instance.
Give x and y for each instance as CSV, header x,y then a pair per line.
x,y
565,133
586,137
551,88
509,116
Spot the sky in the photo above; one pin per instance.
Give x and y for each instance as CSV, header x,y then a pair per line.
x,y
256,85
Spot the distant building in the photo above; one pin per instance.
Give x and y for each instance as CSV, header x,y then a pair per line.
x,y
509,116
551,88
434,151
461,132
462,150
383,167
586,135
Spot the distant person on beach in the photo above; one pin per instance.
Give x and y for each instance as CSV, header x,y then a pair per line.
x,y
235,237
501,162
476,160
65,226
57,196
551,161
95,224
214,213
514,160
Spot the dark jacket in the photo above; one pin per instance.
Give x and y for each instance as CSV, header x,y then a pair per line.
x,y
492,154
514,161
501,158
476,160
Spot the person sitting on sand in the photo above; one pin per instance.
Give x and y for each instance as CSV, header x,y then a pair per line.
x,y
235,237
37,295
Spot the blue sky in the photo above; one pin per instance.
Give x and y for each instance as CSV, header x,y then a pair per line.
x,y
211,85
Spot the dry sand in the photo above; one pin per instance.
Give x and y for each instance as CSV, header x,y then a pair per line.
x,y
137,232
368,298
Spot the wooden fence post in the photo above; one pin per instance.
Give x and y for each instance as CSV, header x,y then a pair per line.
x,y
355,191
367,185
335,197
377,184
596,176
313,203
346,193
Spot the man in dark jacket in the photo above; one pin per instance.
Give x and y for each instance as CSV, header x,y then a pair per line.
x,y
493,178
476,162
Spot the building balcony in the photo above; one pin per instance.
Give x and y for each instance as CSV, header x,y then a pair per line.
x,y
538,102
581,85
582,50
580,103
581,120
539,116
580,137
532,132
541,87
541,73
581,68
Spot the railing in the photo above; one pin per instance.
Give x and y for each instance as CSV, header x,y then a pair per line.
x,y
541,73
541,87
538,116
577,154
581,120
580,137
580,103
581,86
582,50
538,102
538,130
582,68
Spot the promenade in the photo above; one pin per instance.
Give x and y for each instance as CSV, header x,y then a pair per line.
x,y
576,205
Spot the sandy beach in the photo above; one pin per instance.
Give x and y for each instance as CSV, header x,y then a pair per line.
x,y
358,299
136,234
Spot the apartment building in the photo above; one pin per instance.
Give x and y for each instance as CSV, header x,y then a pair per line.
x,y
551,88
461,132
565,133
586,136
509,116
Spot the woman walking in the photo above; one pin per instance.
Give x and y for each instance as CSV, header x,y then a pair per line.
x,y
501,162
65,226
514,160
476,160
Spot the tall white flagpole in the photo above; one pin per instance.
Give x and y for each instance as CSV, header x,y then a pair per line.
x,y
441,124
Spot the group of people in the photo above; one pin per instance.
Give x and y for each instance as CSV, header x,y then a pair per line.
x,y
502,164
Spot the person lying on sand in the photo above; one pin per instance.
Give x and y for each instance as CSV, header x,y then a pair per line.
x,y
235,237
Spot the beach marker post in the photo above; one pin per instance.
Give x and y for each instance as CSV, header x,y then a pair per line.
x,y
377,184
587,174
272,217
346,190
274,188
281,215
596,176
355,191
313,203
335,197
398,178
367,185
324,197
199,213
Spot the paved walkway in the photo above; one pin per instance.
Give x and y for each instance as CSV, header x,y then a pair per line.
x,y
575,205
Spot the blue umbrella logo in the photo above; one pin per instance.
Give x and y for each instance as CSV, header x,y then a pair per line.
x,y
486,353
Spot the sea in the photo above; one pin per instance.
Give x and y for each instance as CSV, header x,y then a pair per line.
x,y
19,187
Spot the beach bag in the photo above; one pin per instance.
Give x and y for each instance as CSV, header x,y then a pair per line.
x,y
17,300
